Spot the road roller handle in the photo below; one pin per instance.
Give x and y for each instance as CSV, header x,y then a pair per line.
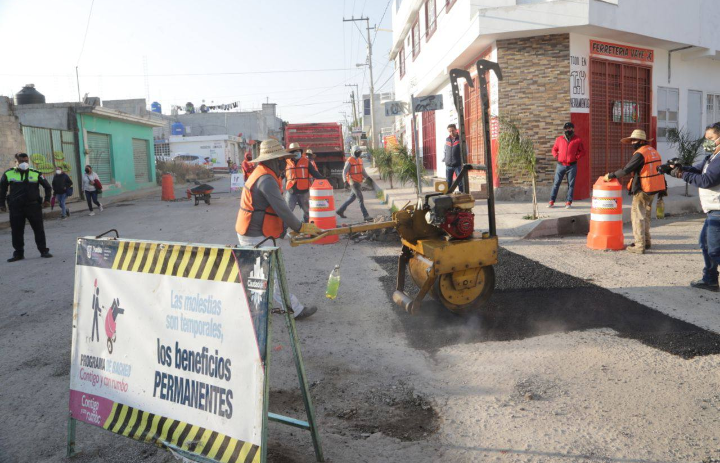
x,y
297,239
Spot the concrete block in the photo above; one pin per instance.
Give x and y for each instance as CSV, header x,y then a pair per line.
x,y
561,226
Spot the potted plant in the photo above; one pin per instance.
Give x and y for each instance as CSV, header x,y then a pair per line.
x,y
687,148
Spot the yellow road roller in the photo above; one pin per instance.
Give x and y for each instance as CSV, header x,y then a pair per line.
x,y
444,254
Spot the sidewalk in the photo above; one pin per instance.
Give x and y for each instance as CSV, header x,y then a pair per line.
x,y
510,215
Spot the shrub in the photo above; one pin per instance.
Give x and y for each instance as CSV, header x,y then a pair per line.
x,y
182,172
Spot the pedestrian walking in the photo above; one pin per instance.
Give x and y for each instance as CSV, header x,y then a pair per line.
x,y
298,171
92,187
62,186
354,173
265,214
568,149
453,160
644,184
706,176
25,203
247,165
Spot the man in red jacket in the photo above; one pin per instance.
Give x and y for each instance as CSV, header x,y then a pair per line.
x,y
567,150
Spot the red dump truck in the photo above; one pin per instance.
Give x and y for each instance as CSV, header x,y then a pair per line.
x,y
325,140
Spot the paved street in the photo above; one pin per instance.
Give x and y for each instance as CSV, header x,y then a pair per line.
x,y
557,370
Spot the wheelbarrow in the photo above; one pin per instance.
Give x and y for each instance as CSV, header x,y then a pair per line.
x,y
111,325
201,193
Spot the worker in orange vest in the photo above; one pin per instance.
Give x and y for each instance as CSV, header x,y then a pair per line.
x,y
298,170
646,181
264,214
312,156
354,173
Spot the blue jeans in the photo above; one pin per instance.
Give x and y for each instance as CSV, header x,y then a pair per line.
x,y
710,245
454,171
560,172
91,197
61,199
356,193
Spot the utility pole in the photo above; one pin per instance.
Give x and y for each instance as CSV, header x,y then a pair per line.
x,y
357,92
372,84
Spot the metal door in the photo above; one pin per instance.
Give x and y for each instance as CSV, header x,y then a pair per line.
x,y
429,146
100,157
51,148
140,159
695,117
619,103
474,133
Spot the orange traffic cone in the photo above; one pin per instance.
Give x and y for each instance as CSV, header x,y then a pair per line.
x,y
322,209
168,188
606,218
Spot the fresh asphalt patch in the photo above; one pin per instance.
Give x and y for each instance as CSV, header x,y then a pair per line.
x,y
531,299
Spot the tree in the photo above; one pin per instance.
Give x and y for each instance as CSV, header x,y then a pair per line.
x,y
516,155
405,167
385,164
687,148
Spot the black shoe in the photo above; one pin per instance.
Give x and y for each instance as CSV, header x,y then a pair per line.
x,y
701,284
368,219
306,312
46,254
341,214
15,258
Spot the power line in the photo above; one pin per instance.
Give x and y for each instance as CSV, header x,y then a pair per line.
x,y
87,27
381,20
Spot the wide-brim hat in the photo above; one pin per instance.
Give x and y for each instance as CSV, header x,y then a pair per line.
x,y
309,152
269,150
294,147
637,134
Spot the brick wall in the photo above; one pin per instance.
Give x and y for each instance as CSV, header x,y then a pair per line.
x,y
11,137
535,91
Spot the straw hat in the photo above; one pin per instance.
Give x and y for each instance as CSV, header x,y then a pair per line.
x,y
294,147
637,134
270,149
309,152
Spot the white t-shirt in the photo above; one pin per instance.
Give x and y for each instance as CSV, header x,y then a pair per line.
x,y
87,181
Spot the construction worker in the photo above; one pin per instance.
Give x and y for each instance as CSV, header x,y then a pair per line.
x,y
263,212
644,184
25,203
354,173
247,165
298,170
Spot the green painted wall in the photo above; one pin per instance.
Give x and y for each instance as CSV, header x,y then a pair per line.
x,y
121,135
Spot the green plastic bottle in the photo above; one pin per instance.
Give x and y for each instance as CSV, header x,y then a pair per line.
x,y
333,283
660,209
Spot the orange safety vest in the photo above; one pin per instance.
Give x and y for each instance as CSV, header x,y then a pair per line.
x,y
356,170
272,224
650,180
297,173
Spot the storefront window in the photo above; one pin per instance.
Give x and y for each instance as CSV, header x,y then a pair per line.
x,y
416,38
625,111
668,106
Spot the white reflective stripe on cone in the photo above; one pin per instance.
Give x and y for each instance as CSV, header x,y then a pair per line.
x,y
321,195
607,193
321,214
606,217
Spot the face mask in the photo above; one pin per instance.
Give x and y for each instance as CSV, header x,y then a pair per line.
x,y
636,146
568,133
87,171
357,155
298,155
709,145
58,172
23,166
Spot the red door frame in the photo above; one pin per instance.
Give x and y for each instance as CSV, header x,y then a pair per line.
x,y
429,145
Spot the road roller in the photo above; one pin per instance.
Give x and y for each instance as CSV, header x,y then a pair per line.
x,y
443,253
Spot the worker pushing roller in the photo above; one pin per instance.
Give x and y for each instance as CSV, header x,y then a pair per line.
x,y
440,247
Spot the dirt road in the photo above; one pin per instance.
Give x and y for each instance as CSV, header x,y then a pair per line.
x,y
560,369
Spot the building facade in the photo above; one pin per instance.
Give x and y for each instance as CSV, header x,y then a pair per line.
x,y
609,66
216,149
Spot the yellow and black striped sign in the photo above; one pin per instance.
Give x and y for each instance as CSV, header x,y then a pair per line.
x,y
161,431
196,262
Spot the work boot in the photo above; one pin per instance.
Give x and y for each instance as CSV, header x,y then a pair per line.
x,y
368,219
648,245
306,312
635,249
16,258
702,284
46,254
341,214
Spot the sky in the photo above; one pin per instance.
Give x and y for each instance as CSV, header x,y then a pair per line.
x,y
296,53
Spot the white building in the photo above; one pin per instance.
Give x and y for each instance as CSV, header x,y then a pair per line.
x,y
606,65
216,149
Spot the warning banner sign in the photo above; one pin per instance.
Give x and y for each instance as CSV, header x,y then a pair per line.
x,y
169,344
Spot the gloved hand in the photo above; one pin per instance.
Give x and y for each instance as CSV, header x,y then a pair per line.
x,y
607,177
677,172
347,185
310,229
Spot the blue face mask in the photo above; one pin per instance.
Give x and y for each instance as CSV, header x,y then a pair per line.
x,y
298,155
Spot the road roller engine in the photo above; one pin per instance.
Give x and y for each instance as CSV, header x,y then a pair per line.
x,y
444,254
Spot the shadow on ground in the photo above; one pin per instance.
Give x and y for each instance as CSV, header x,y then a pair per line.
x,y
531,299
